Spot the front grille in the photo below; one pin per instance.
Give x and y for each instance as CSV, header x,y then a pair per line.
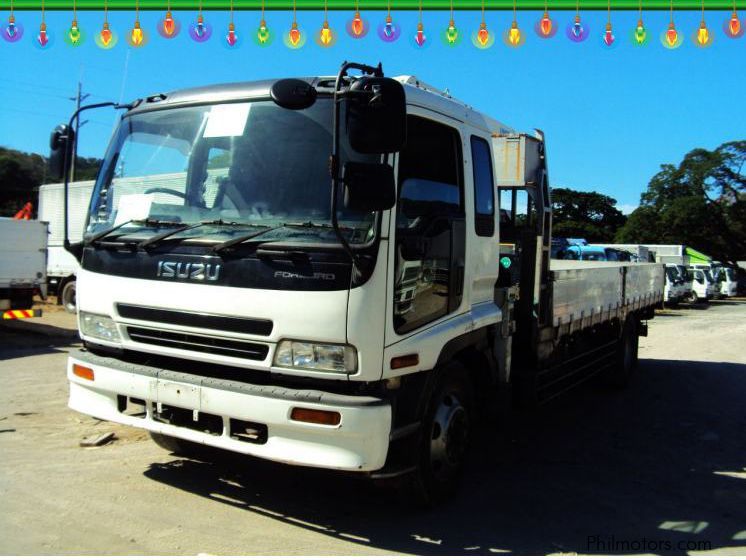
x,y
199,343
241,325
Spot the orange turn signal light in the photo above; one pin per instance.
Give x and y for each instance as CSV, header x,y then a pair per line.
x,y
82,371
405,361
326,417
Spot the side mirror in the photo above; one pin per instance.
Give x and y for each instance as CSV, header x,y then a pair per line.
x,y
60,150
369,187
376,115
293,94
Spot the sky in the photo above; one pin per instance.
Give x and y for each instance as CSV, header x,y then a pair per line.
x,y
611,116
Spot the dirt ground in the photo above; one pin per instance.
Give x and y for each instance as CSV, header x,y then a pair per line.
x,y
657,468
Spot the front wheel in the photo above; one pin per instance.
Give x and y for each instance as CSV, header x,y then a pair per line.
x,y
445,436
692,297
68,297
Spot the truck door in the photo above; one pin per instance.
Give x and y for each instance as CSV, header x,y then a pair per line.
x,y
429,240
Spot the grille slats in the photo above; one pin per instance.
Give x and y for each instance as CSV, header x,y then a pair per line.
x,y
241,325
199,343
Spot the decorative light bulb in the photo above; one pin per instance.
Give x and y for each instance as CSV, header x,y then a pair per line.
x,y
42,38
703,35
608,35
483,36
388,28
451,33
294,35
74,33
357,24
136,34
514,35
672,36
640,33
169,25
199,29
11,29
325,35
419,37
262,33
577,27
734,25
545,25
231,38
105,34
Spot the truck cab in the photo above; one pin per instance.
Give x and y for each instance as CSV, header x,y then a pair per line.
x,y
239,288
703,284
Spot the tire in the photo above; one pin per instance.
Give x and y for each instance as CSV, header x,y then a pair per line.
x,y
445,437
692,297
67,297
178,446
626,358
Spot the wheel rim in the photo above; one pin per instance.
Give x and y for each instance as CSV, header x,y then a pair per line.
x,y
69,298
449,437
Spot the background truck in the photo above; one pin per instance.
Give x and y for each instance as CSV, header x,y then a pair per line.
x,y
23,264
256,303
62,268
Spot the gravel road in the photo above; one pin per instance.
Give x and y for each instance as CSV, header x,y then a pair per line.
x,y
660,467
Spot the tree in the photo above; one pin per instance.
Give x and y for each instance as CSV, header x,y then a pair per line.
x,y
701,203
590,215
22,173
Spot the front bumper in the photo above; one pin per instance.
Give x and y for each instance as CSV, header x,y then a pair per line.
x,y
359,443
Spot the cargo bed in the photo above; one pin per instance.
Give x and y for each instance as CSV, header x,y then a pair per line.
x,y
585,293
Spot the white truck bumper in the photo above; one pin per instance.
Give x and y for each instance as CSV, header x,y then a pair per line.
x,y
358,443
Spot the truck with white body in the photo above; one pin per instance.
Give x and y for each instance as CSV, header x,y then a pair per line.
x,y
62,267
23,265
678,287
256,306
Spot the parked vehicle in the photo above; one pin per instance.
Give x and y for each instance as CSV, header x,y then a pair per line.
x,y
677,287
23,264
62,268
729,281
261,312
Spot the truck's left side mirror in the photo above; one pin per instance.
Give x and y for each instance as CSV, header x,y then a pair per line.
x,y
60,150
369,187
376,115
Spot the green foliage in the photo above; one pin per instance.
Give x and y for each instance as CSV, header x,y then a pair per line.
x,y
22,173
700,203
589,215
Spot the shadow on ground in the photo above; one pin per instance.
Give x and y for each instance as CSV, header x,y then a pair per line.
x,y
658,468
30,338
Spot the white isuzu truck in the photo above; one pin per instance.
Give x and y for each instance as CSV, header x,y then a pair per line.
x,y
317,279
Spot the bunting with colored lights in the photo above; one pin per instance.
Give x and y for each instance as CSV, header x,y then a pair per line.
x,y
357,26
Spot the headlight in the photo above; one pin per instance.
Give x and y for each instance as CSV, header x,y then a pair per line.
x,y
99,326
335,358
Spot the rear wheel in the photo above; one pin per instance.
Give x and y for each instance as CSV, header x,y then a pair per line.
x,y
445,437
625,361
68,297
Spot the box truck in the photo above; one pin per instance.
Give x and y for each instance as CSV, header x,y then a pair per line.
x,y
62,268
23,265
323,284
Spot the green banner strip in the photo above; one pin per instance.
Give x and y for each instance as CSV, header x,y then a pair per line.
x,y
367,5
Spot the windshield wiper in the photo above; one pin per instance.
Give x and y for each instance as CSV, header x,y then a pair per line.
x,y
145,223
156,239
243,238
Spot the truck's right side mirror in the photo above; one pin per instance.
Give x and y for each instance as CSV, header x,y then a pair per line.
x,y
60,150
369,187
376,115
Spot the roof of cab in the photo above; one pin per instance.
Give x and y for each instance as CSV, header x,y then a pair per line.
x,y
417,92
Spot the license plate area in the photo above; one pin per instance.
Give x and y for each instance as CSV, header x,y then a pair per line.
x,y
185,418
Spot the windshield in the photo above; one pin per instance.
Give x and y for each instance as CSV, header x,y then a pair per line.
x,y
251,163
708,276
684,273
